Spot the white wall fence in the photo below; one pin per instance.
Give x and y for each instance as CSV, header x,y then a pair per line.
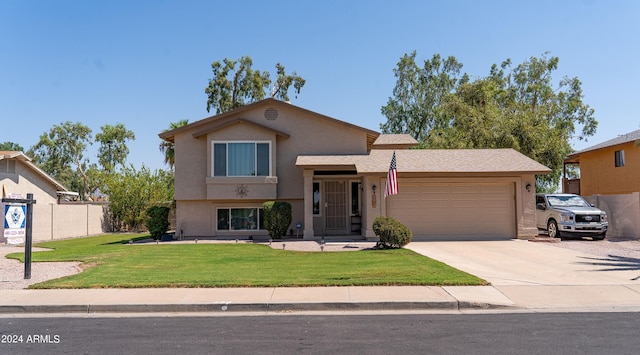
x,y
623,212
51,222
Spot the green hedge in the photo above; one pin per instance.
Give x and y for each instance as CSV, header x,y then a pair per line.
x,y
391,232
277,218
157,221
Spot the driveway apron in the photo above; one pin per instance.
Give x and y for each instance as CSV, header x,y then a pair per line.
x,y
520,262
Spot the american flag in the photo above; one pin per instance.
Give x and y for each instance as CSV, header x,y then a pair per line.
x,y
392,178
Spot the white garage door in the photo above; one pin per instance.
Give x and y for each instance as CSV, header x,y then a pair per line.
x,y
455,210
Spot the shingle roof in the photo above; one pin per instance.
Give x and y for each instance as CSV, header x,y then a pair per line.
x,y
622,139
395,139
432,161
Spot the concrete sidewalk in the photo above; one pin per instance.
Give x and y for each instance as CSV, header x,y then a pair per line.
x,y
291,299
252,299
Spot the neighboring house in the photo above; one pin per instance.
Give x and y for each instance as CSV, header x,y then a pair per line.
x,y
333,173
610,179
18,175
51,220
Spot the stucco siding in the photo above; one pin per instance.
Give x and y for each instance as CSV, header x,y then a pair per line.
x,y
200,219
190,167
25,181
599,175
623,212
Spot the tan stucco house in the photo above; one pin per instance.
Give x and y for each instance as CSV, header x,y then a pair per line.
x,y
53,217
18,175
333,173
610,178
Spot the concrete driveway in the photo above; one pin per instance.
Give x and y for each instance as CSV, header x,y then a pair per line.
x,y
520,262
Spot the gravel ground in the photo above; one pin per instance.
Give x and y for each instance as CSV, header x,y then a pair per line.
x,y
12,271
627,248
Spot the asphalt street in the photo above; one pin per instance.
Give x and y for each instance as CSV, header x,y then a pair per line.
x,y
545,333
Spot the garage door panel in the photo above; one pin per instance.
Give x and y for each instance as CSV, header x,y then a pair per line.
x,y
455,209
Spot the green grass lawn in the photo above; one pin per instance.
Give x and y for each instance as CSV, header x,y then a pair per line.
x,y
109,261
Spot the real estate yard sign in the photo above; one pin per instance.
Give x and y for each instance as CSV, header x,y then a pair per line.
x,y
14,226
18,220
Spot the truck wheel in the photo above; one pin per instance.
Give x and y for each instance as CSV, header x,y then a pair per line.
x,y
599,236
552,229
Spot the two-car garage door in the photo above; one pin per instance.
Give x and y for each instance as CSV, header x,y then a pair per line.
x,y
455,210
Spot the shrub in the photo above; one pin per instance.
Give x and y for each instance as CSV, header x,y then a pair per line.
x,y
277,218
391,232
157,221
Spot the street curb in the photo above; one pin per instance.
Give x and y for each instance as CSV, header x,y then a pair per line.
x,y
252,307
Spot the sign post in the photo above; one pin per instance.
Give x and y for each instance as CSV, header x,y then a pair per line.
x,y
14,219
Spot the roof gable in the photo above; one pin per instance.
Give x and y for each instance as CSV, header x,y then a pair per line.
x,y
232,122
27,161
622,139
201,125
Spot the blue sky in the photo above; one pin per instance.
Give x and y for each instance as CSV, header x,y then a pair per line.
x,y
146,63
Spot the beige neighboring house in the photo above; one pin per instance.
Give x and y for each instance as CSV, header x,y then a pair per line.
x,y
334,173
20,176
51,219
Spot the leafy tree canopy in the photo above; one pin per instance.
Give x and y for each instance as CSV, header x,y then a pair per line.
x,y
235,83
168,148
10,146
131,191
61,152
517,107
113,148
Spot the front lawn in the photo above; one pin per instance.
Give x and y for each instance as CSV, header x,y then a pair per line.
x,y
109,261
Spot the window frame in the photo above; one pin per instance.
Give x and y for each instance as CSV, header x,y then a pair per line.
x,y
618,157
259,220
255,162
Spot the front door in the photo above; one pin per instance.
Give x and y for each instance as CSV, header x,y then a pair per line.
x,y
335,216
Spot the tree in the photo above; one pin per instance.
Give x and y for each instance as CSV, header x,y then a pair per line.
x,y
11,147
61,152
168,148
517,108
113,145
415,107
283,82
63,147
233,87
132,191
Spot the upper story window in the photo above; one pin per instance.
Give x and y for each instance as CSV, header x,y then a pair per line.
x,y
241,159
619,157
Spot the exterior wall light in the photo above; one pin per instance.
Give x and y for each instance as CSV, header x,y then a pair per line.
x,y
374,187
528,187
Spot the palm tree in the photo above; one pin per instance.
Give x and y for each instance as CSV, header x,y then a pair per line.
x,y
168,148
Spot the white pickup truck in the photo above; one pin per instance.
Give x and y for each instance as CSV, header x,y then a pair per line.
x,y
565,215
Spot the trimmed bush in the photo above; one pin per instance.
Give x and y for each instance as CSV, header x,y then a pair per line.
x,y
157,221
277,218
391,232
